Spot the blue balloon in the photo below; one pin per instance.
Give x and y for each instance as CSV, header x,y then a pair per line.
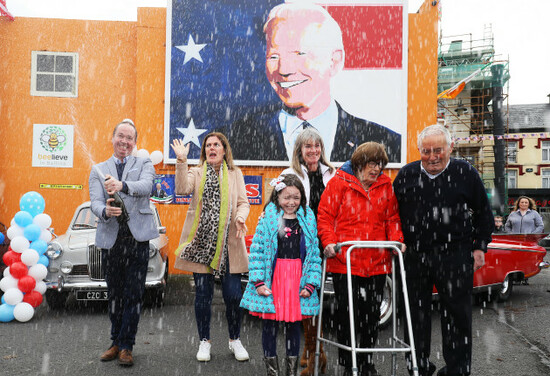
x,y
3,300
32,232
6,313
33,203
23,218
39,246
44,260
1,238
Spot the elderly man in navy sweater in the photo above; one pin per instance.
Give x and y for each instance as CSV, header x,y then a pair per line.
x,y
447,224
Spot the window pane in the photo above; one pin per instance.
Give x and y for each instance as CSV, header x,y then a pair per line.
x,y
64,64
45,63
63,83
545,183
44,82
545,154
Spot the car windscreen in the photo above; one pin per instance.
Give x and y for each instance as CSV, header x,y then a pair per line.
x,y
85,219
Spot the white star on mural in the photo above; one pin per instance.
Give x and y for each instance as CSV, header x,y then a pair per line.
x,y
191,50
191,134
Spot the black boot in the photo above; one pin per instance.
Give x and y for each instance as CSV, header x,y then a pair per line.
x,y
272,365
291,366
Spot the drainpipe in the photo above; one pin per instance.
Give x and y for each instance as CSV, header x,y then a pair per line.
x,y
499,148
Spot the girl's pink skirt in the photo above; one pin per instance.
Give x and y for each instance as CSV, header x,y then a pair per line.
x,y
286,291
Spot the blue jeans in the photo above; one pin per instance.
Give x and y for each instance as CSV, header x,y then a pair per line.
x,y
269,337
125,267
232,294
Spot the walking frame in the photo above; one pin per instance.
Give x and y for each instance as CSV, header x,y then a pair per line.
x,y
398,345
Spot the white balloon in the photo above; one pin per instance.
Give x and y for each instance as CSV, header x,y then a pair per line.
x,y
46,236
19,244
38,272
29,257
14,230
156,157
143,153
41,287
43,220
8,282
13,296
23,312
7,272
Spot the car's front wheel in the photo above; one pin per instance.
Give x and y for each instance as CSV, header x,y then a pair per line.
x,y
386,307
55,299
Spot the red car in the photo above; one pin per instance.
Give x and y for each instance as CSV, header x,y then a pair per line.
x,y
510,258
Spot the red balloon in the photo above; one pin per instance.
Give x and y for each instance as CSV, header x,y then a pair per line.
x,y
34,298
26,284
10,257
18,270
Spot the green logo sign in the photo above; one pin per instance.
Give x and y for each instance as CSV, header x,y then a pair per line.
x,y
53,139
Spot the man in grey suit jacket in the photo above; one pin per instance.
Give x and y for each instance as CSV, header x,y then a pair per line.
x,y
124,242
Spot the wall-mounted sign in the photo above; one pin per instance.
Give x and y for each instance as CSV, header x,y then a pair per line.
x,y
52,145
253,185
163,189
61,186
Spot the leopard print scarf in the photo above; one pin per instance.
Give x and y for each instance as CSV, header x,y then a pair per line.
x,y
209,244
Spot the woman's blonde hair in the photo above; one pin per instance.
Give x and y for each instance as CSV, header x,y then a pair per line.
x,y
306,135
532,204
228,157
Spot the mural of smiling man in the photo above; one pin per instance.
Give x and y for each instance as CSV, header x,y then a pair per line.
x,y
304,51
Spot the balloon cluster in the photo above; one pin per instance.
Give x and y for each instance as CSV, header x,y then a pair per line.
x,y
156,156
26,262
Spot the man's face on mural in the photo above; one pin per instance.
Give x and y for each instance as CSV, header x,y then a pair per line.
x,y
298,66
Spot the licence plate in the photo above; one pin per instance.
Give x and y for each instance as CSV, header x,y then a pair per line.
x,y
92,295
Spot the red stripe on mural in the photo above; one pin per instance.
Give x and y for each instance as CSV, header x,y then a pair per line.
x,y
4,10
373,35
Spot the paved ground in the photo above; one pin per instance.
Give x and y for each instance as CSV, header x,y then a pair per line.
x,y
509,339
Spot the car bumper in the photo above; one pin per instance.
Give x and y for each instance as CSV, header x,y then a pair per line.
x,y
61,285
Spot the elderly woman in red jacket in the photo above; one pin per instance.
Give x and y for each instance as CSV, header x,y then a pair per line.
x,y
359,204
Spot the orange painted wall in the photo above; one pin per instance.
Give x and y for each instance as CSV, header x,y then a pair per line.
x,y
122,73
422,74
107,87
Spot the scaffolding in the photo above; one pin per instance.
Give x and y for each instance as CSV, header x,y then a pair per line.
x,y
470,116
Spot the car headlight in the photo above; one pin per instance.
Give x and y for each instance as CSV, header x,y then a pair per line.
x,y
152,250
54,250
66,267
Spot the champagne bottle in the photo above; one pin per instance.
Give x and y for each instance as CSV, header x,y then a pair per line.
x,y
119,203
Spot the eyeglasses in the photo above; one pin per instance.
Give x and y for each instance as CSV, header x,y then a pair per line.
x,y
374,164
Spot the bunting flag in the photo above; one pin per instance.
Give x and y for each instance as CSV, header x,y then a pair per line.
x,y
501,137
4,11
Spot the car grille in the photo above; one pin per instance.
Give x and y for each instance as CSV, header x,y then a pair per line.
x,y
94,263
80,270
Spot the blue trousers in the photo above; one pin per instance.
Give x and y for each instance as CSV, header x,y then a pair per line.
x,y
232,294
269,337
125,267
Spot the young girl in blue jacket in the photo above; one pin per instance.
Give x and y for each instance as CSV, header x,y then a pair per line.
x,y
284,270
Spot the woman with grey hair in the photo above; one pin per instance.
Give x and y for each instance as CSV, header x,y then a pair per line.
x,y
310,164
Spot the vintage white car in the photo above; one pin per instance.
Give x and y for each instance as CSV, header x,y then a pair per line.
x,y
75,263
